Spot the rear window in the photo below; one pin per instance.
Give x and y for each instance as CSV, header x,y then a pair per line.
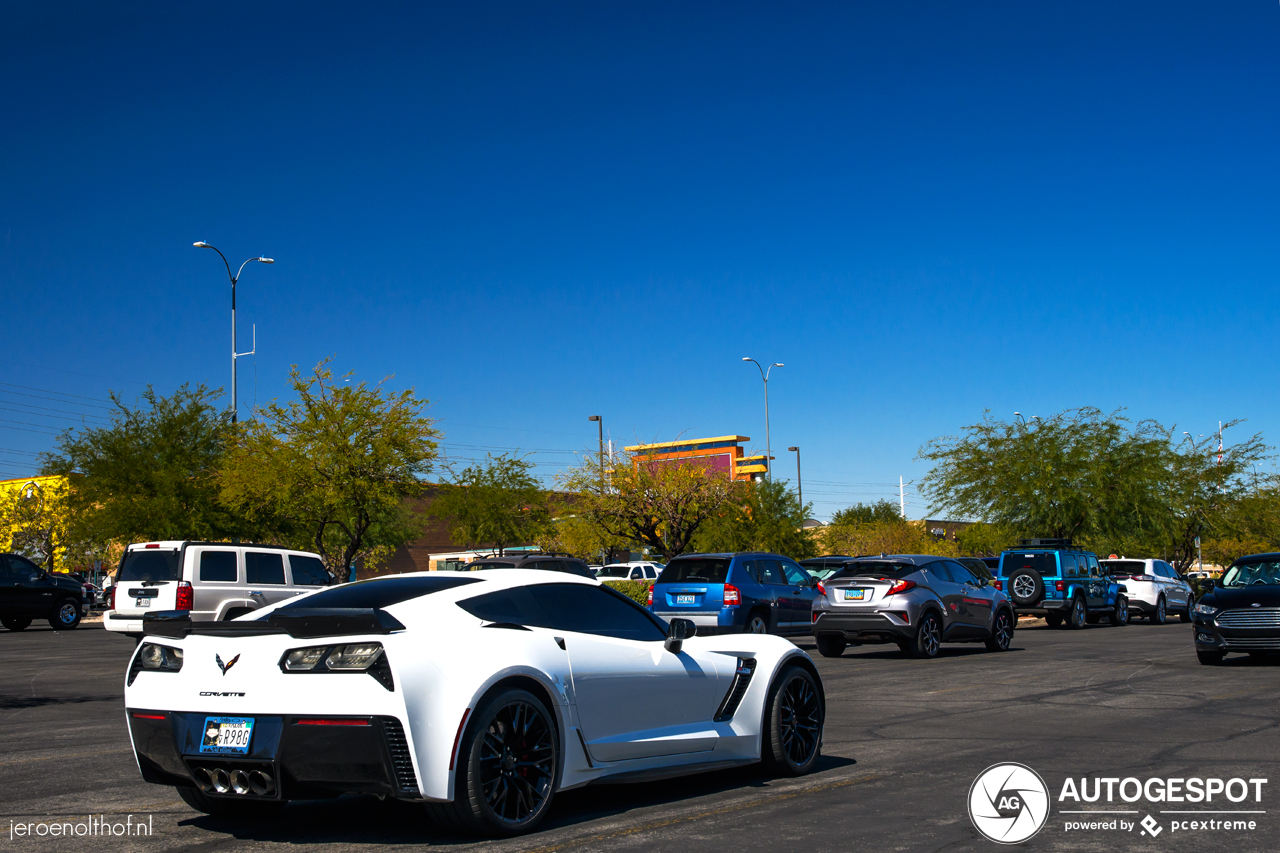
x,y
308,571
1125,567
614,572
378,592
477,567
875,568
150,566
1044,563
698,569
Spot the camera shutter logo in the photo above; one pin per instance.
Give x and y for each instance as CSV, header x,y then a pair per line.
x,y
1008,803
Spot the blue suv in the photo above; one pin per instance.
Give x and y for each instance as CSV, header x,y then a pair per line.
x,y
753,592
1049,578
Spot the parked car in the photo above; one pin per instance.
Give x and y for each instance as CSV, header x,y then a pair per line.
x,y
635,571
916,601
1240,612
482,693
1154,588
753,592
979,568
1049,578
213,581
28,592
824,567
543,562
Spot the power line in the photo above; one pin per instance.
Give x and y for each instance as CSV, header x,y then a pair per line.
x,y
96,405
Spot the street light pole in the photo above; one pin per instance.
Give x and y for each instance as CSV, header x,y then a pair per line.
x,y
768,446
200,244
600,422
799,486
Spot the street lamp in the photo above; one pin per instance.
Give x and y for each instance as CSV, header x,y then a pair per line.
x,y
600,421
200,244
768,447
799,487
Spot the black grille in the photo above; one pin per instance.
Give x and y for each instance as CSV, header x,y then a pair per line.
x,y
401,761
135,667
741,680
381,670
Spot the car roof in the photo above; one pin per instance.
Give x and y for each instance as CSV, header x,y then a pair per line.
x,y
917,559
729,554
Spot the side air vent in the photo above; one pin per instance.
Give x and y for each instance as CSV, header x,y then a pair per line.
x,y
741,681
135,668
401,762
381,670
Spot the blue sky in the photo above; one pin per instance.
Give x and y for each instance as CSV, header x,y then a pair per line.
x,y
532,213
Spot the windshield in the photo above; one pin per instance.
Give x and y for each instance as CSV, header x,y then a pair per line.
x,y
875,568
1252,574
1125,567
614,572
1043,562
704,569
150,566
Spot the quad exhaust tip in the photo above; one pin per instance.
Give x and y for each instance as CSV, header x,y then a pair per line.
x,y
261,783
219,781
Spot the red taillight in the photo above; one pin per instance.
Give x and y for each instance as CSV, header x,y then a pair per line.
x,y
901,586
999,585
648,598
152,545
815,616
185,597
731,595
111,604
148,716
1060,586
331,722
822,590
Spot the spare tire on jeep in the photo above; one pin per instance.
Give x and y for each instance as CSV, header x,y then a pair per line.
x,y
1026,587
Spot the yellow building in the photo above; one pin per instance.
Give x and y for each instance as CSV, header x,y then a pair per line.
x,y
34,518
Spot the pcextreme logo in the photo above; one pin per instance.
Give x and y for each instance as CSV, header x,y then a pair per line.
x,y
1008,803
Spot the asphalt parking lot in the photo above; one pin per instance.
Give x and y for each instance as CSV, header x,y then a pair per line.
x,y
904,741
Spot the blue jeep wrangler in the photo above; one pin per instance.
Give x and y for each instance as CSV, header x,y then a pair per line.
x,y
1049,578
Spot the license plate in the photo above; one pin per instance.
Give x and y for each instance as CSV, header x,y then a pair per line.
x,y
227,735
142,602
685,599
854,594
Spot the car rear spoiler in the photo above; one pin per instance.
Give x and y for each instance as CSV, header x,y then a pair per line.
x,y
301,623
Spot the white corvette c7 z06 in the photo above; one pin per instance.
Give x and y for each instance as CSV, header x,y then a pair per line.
x,y
480,694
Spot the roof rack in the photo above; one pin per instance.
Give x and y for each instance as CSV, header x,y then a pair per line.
x,y
1044,543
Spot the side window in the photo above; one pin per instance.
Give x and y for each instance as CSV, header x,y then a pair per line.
x,y
637,573
751,569
649,572
771,572
960,573
263,568
218,566
796,576
1068,565
1094,570
939,571
594,610
308,571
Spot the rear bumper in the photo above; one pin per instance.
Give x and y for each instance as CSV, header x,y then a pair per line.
x,y
301,761
1044,608
113,621
722,621
862,627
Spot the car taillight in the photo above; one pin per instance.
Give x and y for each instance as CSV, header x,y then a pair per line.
x,y
822,590
815,616
999,585
1144,578
731,595
111,604
1060,586
648,598
901,586
185,596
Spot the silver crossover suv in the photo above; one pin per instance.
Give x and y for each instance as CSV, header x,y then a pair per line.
x,y
917,601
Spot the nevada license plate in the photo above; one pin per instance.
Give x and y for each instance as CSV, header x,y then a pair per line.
x,y
142,602
854,594
227,735
685,599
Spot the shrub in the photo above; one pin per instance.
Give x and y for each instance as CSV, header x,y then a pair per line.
x,y
635,590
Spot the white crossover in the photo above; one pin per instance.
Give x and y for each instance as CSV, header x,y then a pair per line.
x,y
480,694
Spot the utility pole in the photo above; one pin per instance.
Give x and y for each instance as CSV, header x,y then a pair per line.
x,y
600,422
799,487
902,497
768,444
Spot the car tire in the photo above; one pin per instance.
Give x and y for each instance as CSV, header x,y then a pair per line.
x,y
522,728
65,615
1053,620
831,645
1185,615
230,809
928,639
1001,632
1209,658
791,733
757,623
1077,615
1120,616
15,623
1026,587
1160,615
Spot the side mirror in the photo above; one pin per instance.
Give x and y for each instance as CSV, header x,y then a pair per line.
x,y
35,576
1208,583
679,630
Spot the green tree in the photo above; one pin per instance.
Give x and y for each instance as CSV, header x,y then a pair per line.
x,y
860,513
569,533
495,504
985,540
763,516
332,469
885,536
149,474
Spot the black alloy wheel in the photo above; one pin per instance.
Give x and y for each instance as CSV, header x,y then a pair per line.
x,y
507,765
1076,617
1161,615
1001,633
1120,616
793,725
15,623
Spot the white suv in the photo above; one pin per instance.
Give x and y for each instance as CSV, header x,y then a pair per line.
x,y
1155,589
639,570
214,580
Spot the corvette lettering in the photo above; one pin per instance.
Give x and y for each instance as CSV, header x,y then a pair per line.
x,y
218,693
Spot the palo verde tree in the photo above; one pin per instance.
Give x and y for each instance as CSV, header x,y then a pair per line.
x,y
332,468
497,503
759,516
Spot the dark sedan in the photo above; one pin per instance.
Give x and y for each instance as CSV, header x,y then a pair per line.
x,y
1241,613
